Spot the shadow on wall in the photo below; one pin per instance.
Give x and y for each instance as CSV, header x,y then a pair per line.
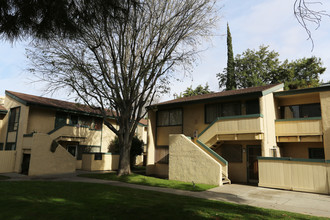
x,y
100,161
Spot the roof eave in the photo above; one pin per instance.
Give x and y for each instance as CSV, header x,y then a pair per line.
x,y
27,103
302,91
208,100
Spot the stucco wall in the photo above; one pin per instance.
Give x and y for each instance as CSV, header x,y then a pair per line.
x,y
151,142
325,109
193,119
298,149
7,161
41,120
187,162
22,129
237,171
267,108
108,162
107,136
142,132
43,161
86,136
299,99
164,132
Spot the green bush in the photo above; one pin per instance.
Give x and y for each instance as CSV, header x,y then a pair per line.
x,y
136,148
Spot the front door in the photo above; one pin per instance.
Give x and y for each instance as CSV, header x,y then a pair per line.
x,y
252,163
26,163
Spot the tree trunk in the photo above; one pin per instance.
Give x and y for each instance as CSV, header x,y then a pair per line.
x,y
124,160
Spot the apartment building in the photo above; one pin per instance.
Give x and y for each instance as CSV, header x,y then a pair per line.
x,y
47,136
261,135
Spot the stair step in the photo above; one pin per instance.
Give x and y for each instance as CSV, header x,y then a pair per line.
x,y
225,180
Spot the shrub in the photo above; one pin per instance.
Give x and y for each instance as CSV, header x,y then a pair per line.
x,y
136,148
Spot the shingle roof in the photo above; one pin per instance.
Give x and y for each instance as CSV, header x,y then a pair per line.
x,y
215,95
55,103
59,104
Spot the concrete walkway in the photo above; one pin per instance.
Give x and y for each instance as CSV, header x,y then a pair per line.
x,y
305,203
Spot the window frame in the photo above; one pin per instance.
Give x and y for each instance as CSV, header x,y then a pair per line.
x,y
57,116
282,110
310,153
219,107
248,103
168,124
98,156
13,121
11,148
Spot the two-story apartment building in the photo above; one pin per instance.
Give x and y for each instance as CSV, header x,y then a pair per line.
x,y
236,135
45,136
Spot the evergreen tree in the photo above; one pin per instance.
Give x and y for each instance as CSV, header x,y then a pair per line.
x,y
231,82
263,67
199,90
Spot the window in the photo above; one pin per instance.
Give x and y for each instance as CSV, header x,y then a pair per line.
x,y
1,146
78,120
98,156
252,107
213,111
10,146
73,119
97,123
60,119
301,111
230,109
161,154
170,117
231,152
13,119
316,153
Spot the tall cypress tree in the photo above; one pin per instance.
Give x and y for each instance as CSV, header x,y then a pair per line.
x,y
231,82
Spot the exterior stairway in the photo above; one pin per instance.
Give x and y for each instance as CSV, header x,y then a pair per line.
x,y
217,157
225,180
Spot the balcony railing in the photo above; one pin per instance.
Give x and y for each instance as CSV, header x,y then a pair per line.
x,y
235,125
301,127
75,133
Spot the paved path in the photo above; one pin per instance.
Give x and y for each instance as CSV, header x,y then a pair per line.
x,y
305,203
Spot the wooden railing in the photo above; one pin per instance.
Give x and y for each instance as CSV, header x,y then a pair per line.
x,y
84,134
243,124
299,126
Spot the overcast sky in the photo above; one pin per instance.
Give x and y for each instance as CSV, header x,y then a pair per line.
x,y
252,23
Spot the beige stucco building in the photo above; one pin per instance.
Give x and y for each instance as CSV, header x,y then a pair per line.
x,y
253,135
47,136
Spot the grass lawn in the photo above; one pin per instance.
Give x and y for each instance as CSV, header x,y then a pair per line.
x,y
150,181
4,177
70,200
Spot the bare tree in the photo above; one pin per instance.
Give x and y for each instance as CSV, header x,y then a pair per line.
x,y
122,65
305,14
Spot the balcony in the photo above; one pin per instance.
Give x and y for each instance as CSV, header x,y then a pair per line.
x,y
84,135
243,127
299,130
